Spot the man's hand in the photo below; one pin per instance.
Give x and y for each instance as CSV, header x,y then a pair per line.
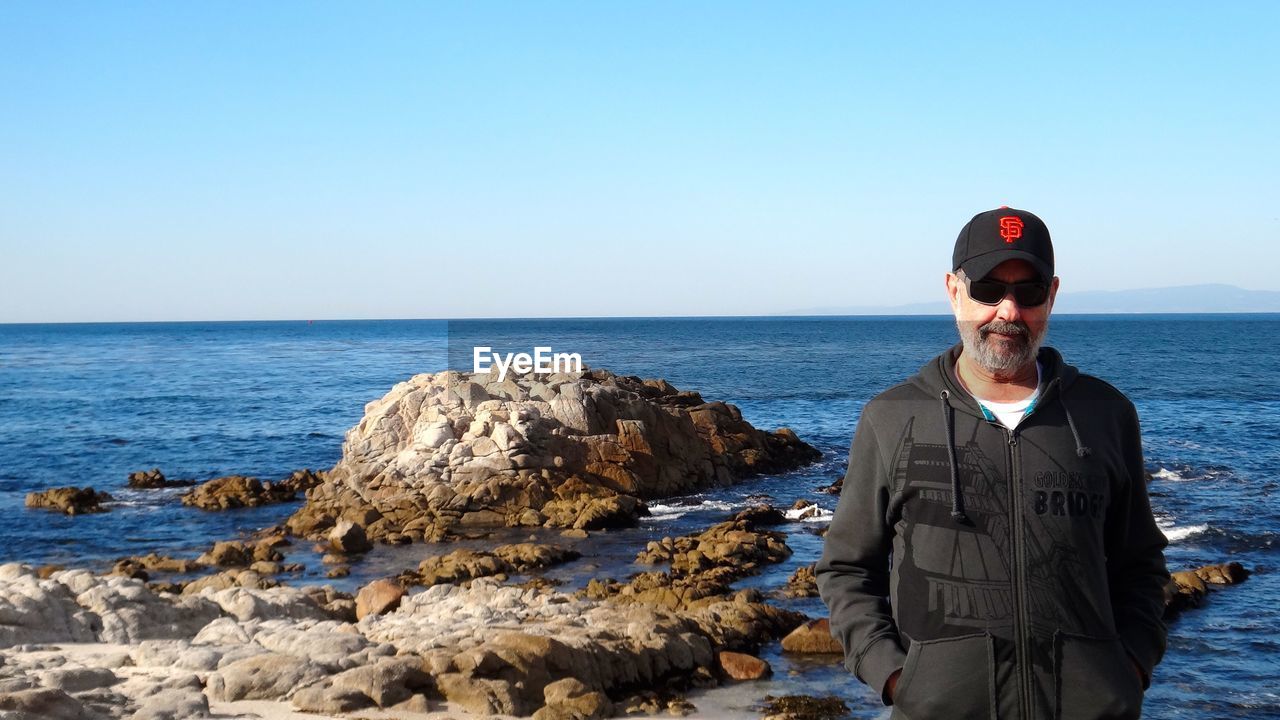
x,y
891,686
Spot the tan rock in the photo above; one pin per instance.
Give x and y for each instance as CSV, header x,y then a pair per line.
x,y
387,681
266,567
236,491
229,553
812,638
803,583
239,553
349,537
69,500
379,596
571,698
138,566
300,481
1224,574
153,479
480,696
740,666
463,565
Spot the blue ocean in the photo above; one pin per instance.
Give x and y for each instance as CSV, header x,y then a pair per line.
x,y
89,404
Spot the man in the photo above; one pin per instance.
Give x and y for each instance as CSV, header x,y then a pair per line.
x,y
993,552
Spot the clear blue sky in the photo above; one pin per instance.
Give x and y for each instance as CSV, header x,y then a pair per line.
x,y
235,160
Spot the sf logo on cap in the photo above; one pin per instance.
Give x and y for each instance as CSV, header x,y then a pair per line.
x,y
1010,228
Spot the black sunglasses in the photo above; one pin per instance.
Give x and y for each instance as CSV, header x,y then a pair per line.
x,y
1031,293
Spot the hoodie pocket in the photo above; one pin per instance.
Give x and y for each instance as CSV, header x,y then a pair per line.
x,y
1095,679
948,678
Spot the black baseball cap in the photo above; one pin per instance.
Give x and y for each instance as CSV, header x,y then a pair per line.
x,y
995,236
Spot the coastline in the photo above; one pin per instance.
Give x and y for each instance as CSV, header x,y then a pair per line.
x,y
674,517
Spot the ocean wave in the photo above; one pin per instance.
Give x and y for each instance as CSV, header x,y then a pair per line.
x,y
136,504
1174,533
1187,473
822,514
670,511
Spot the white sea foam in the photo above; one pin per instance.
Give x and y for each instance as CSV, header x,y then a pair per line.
x,y
1186,473
1174,533
667,512
670,512
822,514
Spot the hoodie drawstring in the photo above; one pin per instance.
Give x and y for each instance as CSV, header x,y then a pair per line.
x,y
957,499
1082,450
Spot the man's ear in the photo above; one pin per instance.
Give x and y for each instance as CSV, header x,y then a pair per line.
x,y
1053,291
954,288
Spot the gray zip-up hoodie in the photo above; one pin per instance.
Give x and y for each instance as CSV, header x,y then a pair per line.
x,y
1027,571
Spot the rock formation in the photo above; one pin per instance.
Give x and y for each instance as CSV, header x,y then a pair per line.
x,y
70,500
582,450
1188,589
812,638
153,479
464,565
237,491
802,583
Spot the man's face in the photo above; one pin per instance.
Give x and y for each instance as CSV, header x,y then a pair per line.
x,y
1003,338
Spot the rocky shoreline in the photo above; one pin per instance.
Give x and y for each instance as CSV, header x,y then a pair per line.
x,y
439,457
468,641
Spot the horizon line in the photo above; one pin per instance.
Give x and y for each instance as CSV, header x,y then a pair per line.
x,y
775,316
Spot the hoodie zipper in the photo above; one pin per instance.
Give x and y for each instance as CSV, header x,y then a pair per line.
x,y
1023,646
1023,649
1022,623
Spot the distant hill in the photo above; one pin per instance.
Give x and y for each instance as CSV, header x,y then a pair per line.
x,y
1209,298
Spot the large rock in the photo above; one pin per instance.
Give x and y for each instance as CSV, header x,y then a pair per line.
x,y
69,500
577,450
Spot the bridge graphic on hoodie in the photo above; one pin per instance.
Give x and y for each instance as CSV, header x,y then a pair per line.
x,y
965,572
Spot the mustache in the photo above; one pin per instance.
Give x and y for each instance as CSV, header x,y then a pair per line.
x,y
1005,328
